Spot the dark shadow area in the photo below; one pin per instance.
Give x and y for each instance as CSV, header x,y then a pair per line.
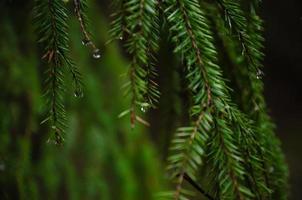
x,y
283,88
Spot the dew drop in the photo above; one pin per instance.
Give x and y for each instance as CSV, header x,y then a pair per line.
x,y
259,74
96,54
78,93
121,38
51,142
143,109
86,42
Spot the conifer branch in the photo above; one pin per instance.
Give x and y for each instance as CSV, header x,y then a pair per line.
x,y
139,18
79,9
237,22
254,104
75,75
118,22
204,76
51,22
184,167
253,156
187,158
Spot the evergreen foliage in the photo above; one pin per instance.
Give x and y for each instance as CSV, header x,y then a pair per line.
x,y
223,136
137,24
227,149
51,20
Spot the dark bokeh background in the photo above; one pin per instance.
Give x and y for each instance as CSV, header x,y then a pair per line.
x,y
283,87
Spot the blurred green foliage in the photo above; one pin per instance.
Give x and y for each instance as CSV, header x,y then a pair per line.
x,y
102,158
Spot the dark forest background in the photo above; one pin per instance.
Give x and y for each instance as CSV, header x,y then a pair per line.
x,y
283,87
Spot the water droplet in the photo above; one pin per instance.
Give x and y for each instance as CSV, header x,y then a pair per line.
x,y
143,109
259,74
86,42
96,54
121,38
78,93
51,141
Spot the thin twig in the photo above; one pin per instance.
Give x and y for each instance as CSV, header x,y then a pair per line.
x,y
87,39
197,187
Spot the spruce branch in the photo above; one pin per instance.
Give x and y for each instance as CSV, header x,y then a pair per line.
x,y
237,22
254,105
80,7
139,18
193,38
235,139
226,155
50,18
118,22
187,151
189,141
235,135
252,154
75,75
